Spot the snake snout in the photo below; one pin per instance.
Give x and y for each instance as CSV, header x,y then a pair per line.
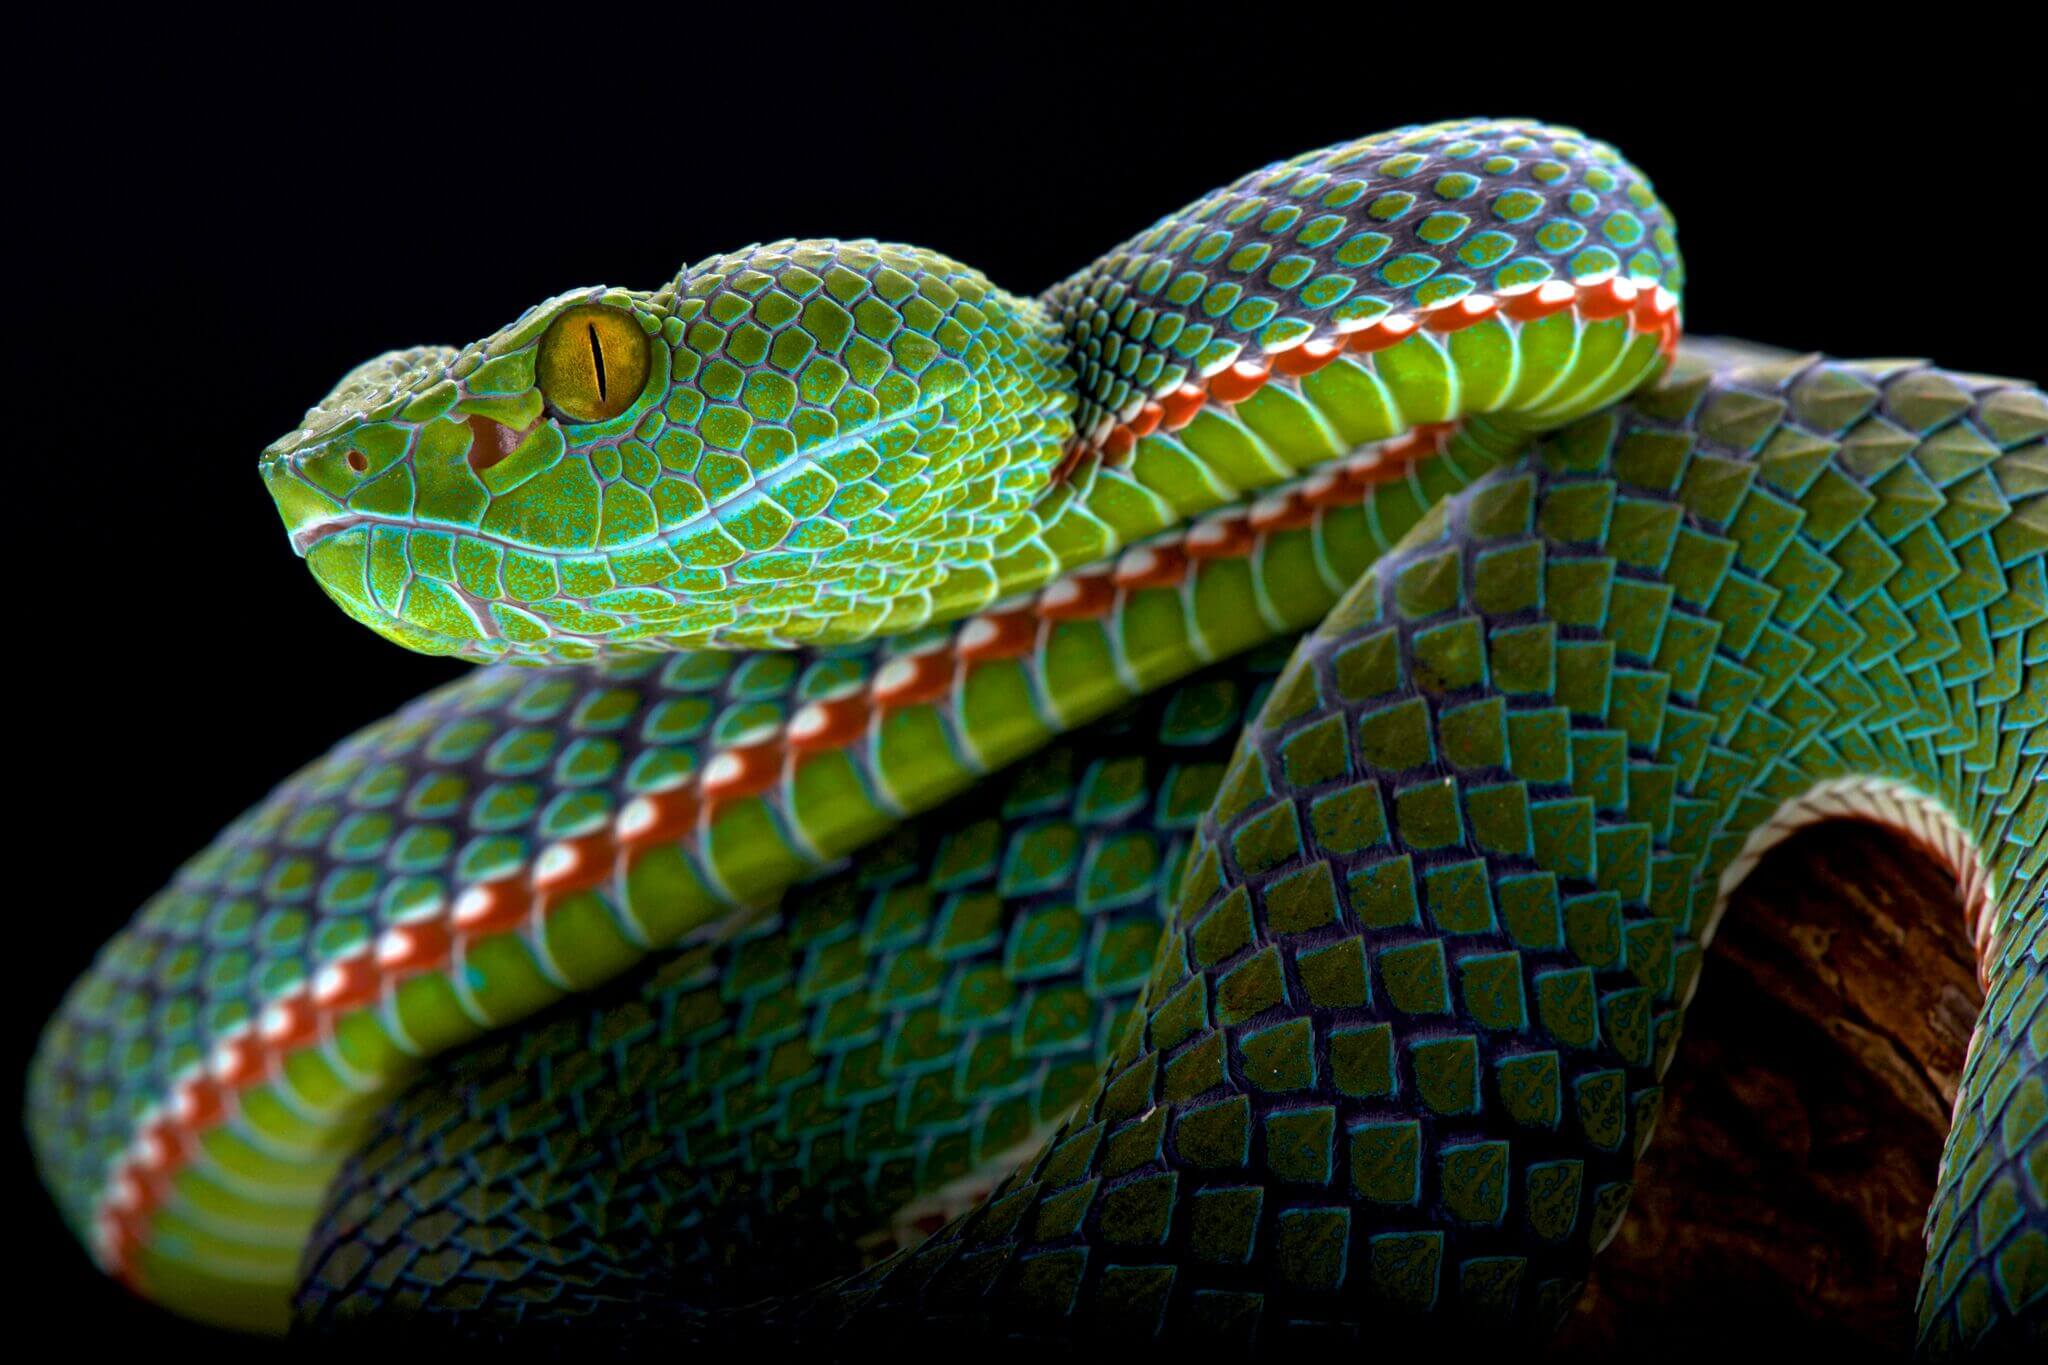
x,y
376,390
336,468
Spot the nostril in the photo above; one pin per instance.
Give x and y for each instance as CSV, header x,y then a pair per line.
x,y
357,461
489,442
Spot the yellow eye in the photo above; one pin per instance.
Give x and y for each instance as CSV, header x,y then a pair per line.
x,y
592,362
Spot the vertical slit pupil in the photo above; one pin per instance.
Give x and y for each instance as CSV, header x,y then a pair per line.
x,y
597,362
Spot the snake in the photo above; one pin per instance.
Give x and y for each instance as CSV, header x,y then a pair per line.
x,y
1185,808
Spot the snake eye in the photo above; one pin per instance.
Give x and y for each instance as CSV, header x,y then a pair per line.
x,y
592,362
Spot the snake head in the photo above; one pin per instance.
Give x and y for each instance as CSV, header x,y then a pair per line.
x,y
762,451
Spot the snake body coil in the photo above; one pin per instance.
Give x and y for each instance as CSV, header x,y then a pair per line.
x,y
936,885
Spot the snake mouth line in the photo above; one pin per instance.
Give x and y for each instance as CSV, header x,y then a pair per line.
x,y
1255,504
311,534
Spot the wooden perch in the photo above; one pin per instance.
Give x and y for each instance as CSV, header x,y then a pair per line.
x,y
1781,1202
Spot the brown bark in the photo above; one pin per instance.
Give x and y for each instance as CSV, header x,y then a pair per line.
x,y
1781,1202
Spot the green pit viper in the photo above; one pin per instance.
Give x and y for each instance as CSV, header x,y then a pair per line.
x,y
1186,807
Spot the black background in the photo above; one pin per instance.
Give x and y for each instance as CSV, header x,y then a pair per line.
x,y
214,234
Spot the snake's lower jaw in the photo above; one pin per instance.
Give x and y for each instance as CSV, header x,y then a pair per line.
x,y
361,562
364,574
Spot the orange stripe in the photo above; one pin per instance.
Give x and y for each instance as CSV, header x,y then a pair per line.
x,y
1650,309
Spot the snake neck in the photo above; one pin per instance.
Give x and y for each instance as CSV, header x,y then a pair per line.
x,y
1321,306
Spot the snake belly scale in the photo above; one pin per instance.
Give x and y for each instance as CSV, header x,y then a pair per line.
x,y
1187,806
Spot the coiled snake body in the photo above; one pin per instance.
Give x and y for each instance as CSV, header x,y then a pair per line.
x,y
1189,806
